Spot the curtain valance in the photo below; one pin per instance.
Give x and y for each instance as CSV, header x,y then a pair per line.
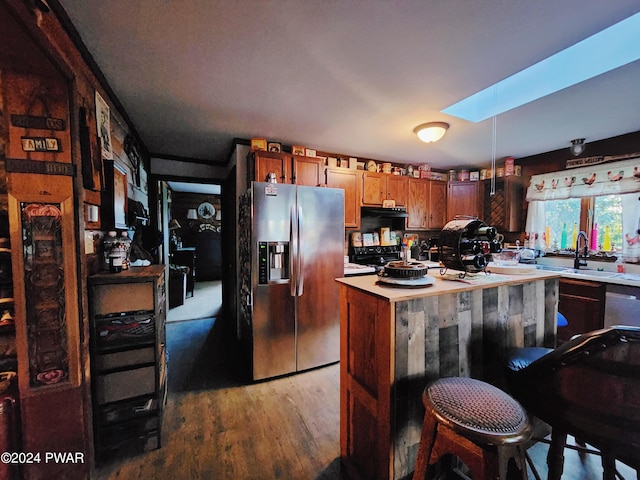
x,y
603,179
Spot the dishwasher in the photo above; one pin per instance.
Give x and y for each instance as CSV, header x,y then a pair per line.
x,y
622,305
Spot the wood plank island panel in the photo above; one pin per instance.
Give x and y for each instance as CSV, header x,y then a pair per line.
x,y
409,340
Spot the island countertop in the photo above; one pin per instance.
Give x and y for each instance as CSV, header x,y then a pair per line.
x,y
449,283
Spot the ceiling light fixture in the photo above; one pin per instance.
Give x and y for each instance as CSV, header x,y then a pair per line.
x,y
577,146
431,132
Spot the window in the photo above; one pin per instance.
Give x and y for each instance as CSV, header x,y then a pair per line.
x,y
608,213
562,215
565,214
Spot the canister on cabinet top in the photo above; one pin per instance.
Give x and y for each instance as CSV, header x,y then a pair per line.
x,y
452,175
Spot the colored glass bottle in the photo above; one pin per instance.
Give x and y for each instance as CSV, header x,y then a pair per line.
x,y
563,237
594,238
574,238
606,242
547,237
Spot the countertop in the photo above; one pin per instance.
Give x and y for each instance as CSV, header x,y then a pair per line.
x,y
443,284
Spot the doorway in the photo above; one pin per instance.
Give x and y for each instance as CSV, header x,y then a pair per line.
x,y
191,215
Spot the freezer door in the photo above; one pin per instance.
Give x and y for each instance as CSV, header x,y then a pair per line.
x,y
321,233
273,311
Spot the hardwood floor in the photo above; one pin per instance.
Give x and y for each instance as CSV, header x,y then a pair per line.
x,y
217,428
286,428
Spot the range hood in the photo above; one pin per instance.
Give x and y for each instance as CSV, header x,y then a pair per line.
x,y
379,212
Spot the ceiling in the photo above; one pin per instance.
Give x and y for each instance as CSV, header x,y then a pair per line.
x,y
350,76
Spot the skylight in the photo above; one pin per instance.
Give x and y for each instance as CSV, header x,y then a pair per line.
x,y
604,51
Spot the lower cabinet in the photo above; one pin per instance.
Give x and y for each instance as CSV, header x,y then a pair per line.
x,y
582,303
128,361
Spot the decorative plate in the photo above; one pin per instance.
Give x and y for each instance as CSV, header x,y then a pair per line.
x,y
206,210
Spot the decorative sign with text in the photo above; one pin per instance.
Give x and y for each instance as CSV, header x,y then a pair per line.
x,y
41,144
39,123
37,166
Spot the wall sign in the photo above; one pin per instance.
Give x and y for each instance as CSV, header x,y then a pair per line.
x,y
40,144
39,123
37,166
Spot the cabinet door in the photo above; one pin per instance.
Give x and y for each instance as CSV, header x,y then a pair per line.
x,y
437,205
272,162
307,171
374,188
462,199
398,189
503,210
582,303
348,181
418,204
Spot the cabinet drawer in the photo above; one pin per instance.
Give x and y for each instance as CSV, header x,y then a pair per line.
x,y
112,361
118,331
142,443
127,410
116,386
122,297
123,432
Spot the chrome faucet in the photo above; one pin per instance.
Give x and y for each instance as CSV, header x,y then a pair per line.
x,y
580,261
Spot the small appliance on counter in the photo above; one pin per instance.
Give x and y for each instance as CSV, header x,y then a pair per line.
x,y
405,274
466,244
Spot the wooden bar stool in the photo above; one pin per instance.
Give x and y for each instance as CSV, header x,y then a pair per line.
x,y
477,422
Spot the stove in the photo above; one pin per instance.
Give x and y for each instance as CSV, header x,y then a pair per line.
x,y
376,256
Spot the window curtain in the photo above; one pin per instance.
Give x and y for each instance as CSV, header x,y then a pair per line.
x,y
535,225
616,178
630,226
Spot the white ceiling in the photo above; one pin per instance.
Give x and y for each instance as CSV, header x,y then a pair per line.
x,y
350,76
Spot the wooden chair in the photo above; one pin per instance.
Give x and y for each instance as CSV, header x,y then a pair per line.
x,y
588,387
478,423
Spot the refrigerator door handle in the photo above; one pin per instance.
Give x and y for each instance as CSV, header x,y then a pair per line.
x,y
293,250
300,255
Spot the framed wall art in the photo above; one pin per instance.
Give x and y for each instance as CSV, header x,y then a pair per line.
x,y
103,121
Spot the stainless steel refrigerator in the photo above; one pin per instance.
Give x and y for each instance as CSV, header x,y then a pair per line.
x,y
297,251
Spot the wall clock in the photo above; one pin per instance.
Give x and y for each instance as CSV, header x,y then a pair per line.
x,y
206,210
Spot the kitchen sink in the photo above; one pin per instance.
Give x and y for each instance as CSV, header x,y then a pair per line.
x,y
588,272
582,271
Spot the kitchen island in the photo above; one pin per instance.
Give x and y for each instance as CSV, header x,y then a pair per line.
x,y
393,341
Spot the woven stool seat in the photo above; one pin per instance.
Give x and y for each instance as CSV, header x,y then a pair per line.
x,y
475,421
478,409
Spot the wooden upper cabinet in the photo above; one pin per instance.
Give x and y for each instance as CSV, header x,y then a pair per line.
x,y
374,187
288,168
503,209
307,171
462,199
348,180
377,187
418,204
437,205
427,204
264,163
398,189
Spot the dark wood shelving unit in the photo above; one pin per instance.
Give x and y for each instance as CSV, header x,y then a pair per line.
x,y
128,361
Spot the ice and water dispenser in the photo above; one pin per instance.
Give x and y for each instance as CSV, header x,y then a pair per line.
x,y
273,258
